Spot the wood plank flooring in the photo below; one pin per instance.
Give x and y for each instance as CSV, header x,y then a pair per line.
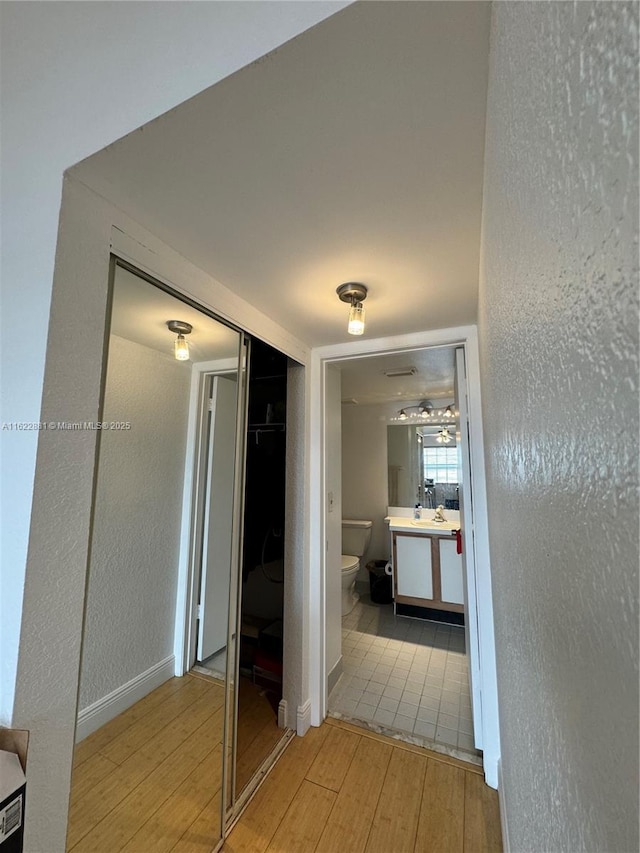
x,y
342,789
143,787
141,780
258,732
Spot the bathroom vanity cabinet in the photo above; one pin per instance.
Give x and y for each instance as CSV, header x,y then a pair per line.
x,y
427,570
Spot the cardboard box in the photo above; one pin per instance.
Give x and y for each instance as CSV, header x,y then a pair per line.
x,y
13,783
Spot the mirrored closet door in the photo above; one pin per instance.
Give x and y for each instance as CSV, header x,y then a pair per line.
x,y
157,731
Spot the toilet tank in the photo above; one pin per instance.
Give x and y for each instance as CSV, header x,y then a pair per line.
x,y
356,534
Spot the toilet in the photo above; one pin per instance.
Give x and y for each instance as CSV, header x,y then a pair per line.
x,y
355,541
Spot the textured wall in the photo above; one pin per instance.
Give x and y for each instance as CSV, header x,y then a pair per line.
x,y
558,331
131,597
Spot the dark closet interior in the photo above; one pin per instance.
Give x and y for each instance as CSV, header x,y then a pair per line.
x,y
262,602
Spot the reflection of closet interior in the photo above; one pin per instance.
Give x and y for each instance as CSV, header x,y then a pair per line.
x,y
188,547
262,595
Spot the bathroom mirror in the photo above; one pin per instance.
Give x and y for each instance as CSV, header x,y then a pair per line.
x,y
152,749
422,469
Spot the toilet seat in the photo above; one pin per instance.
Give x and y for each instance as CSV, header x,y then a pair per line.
x,y
349,562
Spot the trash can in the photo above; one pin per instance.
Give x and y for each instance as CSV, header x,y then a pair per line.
x,y
379,582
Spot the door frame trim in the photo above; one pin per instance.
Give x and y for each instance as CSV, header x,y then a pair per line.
x,y
321,358
185,640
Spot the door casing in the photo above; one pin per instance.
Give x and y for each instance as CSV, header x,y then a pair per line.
x,y
478,566
187,588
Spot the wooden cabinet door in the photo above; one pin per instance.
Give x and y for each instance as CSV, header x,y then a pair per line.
x,y
413,566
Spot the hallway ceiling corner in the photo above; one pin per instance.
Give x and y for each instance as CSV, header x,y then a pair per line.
x,y
353,152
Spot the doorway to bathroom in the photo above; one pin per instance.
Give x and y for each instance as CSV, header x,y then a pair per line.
x,y
406,666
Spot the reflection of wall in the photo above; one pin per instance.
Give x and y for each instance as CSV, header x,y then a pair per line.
x,y
364,472
132,582
401,476
558,332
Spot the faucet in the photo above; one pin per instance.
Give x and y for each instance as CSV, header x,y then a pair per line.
x,y
439,516
429,498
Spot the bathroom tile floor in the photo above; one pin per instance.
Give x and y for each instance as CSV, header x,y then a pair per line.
x,y
407,675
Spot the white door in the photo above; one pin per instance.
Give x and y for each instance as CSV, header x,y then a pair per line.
x,y
468,551
218,519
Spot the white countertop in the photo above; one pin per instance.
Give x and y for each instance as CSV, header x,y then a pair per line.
x,y
407,525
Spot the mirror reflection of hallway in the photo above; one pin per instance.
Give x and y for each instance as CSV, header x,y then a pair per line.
x,y
149,748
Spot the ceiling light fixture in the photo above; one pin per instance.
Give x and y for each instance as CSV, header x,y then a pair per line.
x,y
444,436
181,345
424,411
355,293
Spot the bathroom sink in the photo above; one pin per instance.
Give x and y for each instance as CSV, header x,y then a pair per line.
x,y
435,525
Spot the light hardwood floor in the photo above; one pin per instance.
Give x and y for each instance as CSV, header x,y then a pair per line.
x,y
150,781
150,774
342,789
258,732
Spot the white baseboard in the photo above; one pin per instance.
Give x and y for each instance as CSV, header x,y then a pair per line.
x,y
506,847
283,713
96,715
303,719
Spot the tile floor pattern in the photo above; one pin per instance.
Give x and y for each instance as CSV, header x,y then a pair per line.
x,y
405,674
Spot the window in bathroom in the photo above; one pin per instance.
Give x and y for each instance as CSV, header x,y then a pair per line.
x,y
441,464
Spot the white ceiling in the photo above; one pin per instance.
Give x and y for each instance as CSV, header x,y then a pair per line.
x,y
353,152
140,313
364,379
